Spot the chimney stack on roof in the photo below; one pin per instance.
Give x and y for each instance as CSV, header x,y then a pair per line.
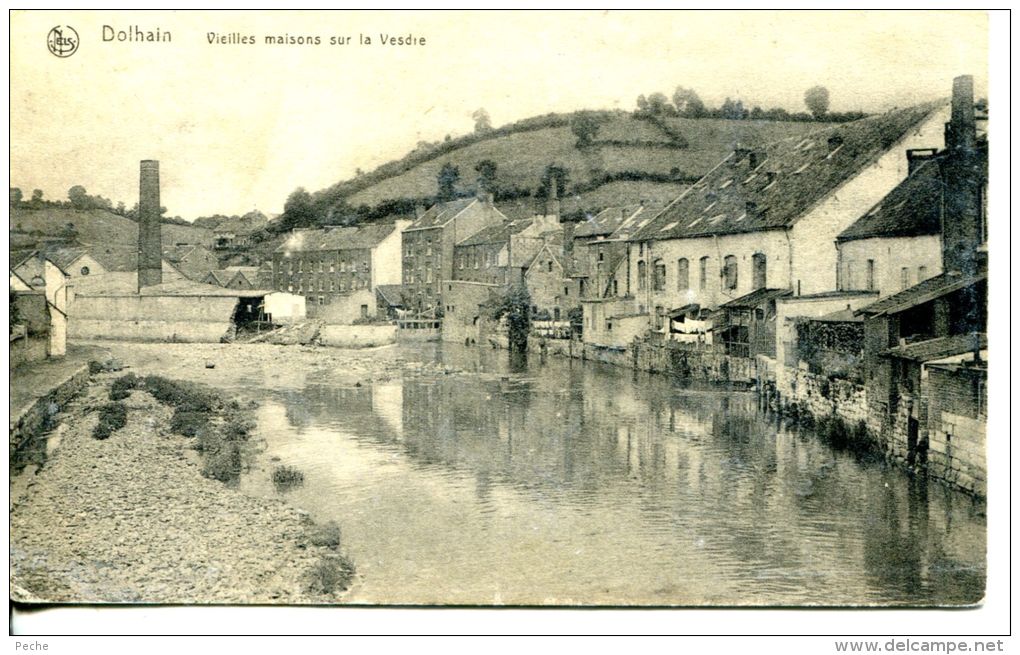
x,y
961,131
150,248
552,204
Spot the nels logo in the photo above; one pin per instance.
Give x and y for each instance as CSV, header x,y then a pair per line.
x,y
62,41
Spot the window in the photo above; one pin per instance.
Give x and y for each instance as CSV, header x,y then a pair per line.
x,y
659,275
602,257
871,275
904,277
410,251
730,272
550,266
332,267
641,272
428,275
683,273
922,273
332,286
460,262
84,270
364,311
322,300
428,246
703,273
322,265
616,288
343,266
566,291
758,270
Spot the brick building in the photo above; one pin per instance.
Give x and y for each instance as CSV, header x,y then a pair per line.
x,y
427,253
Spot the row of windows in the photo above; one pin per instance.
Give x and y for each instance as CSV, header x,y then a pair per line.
x,y
472,260
847,283
333,286
729,273
345,266
409,248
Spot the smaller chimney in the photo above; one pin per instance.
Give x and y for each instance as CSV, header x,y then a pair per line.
x,y
552,205
961,131
419,209
835,141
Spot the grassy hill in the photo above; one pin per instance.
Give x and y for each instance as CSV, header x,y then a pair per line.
x,y
111,238
630,159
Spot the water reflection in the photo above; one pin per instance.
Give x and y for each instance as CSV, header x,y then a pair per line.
x,y
565,481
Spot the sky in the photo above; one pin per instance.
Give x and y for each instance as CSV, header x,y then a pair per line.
x,y
239,127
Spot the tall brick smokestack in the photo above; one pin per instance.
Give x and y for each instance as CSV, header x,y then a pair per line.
x,y
961,132
150,245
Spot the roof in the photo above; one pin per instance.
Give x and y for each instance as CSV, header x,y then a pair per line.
x,y
910,209
755,298
553,255
337,238
931,349
606,221
499,233
926,291
390,293
61,256
247,270
184,287
842,316
221,278
441,213
771,187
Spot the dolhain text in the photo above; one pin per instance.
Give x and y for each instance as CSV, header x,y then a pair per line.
x,y
135,34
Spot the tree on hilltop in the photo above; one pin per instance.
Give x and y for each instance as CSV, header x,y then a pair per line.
x,y
817,100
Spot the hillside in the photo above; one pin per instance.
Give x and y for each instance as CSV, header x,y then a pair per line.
x,y
631,158
112,239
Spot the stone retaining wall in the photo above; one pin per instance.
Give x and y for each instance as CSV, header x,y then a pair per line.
x,y
30,421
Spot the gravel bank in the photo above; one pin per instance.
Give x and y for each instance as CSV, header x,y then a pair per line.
x,y
131,519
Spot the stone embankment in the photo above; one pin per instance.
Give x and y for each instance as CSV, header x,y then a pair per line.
x,y
131,519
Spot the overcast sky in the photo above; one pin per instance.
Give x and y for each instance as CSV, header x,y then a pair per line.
x,y
238,127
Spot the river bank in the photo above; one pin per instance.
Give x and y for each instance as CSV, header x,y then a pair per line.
x,y
131,519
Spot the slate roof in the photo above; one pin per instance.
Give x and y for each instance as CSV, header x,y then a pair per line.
x,y
337,238
499,233
441,213
932,349
911,209
222,278
390,293
755,298
791,176
606,221
928,290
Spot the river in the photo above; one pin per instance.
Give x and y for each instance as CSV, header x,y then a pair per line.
x,y
564,482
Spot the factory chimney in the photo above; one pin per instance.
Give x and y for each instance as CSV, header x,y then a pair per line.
x,y
150,246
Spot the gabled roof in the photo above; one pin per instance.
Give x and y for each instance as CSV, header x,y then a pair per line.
x,y
61,256
390,293
788,178
356,238
222,278
556,257
606,221
911,209
940,348
337,238
441,213
925,291
755,298
498,233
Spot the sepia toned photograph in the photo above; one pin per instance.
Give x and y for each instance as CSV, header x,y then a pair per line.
x,y
673,309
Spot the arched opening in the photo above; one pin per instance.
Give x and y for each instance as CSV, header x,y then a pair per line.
x,y
758,263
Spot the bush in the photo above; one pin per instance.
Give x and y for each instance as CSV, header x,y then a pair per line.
x,y
331,574
122,386
327,535
182,395
94,366
223,463
190,424
287,477
112,417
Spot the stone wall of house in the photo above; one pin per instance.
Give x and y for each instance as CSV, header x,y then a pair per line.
x,y
957,415
824,397
25,349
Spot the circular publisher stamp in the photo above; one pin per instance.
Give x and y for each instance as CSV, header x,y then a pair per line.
x,y
62,41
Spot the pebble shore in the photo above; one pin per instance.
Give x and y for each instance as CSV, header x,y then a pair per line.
x,y
130,519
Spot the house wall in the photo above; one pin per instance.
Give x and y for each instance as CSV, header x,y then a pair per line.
x,y
423,253
33,268
485,262
463,319
890,255
285,308
346,308
813,261
788,310
957,417
151,318
773,244
386,260
551,290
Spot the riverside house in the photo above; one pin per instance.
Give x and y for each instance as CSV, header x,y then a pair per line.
x,y
768,218
325,265
428,247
